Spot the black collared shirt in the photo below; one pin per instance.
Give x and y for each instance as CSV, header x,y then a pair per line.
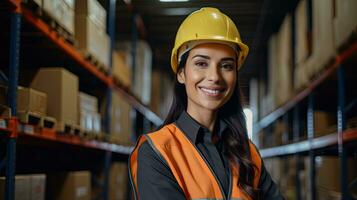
x,y
156,181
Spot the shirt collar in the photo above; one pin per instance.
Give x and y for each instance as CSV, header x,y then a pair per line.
x,y
191,127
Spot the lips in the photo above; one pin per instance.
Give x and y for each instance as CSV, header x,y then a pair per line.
x,y
213,92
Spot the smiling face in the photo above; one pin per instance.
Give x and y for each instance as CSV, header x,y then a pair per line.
x,y
210,76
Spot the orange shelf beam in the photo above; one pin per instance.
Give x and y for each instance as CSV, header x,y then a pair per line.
x,y
77,141
62,44
304,146
11,127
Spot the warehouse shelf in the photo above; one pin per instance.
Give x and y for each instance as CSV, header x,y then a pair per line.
x,y
307,145
66,47
34,44
330,70
76,55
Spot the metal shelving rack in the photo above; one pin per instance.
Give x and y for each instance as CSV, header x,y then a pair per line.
x,y
19,15
312,145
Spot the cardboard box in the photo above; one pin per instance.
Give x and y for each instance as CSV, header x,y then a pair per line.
x,y
38,186
87,102
53,8
118,181
22,187
85,120
301,76
323,46
27,187
141,85
69,185
282,90
61,87
345,22
301,33
90,119
120,69
67,16
280,132
61,11
121,123
91,39
324,123
162,93
31,100
97,128
328,172
273,74
94,10
70,3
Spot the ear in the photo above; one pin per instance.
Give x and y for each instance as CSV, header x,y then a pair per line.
x,y
181,76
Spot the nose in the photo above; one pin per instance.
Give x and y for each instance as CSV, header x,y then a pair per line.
x,y
213,73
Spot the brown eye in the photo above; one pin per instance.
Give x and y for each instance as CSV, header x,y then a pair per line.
x,y
201,64
227,66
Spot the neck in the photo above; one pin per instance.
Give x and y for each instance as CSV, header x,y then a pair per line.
x,y
206,118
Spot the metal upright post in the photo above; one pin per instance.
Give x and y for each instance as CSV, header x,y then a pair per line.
x,y
296,135
11,99
341,125
107,161
138,117
108,154
310,135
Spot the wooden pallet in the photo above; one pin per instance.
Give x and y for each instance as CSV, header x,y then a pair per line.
x,y
66,128
60,30
93,60
77,130
350,40
5,111
49,122
33,6
30,118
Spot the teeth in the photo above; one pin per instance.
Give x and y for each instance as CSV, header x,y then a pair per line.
x,y
210,91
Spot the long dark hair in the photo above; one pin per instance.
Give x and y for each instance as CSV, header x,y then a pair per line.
x,y
236,140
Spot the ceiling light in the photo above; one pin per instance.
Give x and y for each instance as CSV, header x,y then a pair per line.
x,y
174,0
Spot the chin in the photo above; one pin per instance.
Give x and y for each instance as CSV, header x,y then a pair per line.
x,y
213,106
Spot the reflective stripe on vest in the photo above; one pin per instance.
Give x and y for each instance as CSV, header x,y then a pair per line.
x,y
188,166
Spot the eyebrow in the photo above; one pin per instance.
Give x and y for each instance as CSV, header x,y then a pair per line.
x,y
202,56
207,57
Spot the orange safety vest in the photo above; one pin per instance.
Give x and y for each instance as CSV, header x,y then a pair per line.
x,y
189,167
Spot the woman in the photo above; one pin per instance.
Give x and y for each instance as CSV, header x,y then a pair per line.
x,y
202,150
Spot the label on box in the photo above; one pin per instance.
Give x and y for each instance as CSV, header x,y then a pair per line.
x,y
3,124
81,191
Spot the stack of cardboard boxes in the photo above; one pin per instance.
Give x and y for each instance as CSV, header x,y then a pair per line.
x,y
61,87
62,11
90,30
89,118
142,71
328,176
27,187
121,121
69,185
121,71
118,181
344,22
162,93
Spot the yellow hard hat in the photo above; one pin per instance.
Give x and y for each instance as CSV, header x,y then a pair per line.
x,y
208,24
